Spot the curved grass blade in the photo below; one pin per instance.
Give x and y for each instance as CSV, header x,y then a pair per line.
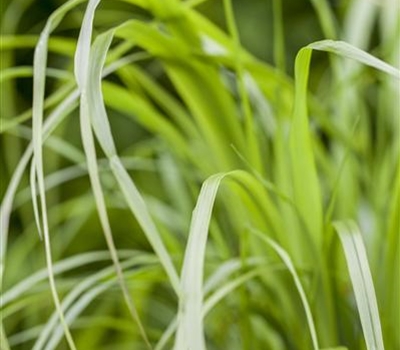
x,y
72,303
361,280
59,267
39,67
84,58
289,264
190,334
344,49
103,133
190,330
306,187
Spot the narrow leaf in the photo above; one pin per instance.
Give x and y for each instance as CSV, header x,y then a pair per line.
x,y
361,279
190,319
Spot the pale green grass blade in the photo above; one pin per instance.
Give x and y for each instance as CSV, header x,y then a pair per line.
x,y
139,208
285,257
40,61
59,267
24,336
71,301
52,101
64,175
80,304
361,279
190,334
76,309
209,303
6,205
344,49
128,188
227,269
168,333
88,143
227,288
82,54
84,59
58,145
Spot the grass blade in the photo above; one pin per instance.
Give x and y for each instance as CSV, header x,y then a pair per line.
x,y
361,280
39,67
289,264
190,319
103,133
344,49
306,188
84,59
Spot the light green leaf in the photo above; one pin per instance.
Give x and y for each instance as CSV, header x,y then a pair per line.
x,y
361,280
344,49
103,132
190,319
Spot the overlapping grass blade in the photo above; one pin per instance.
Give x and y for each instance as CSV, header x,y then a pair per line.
x,y
128,188
219,293
187,108
84,59
306,187
75,302
67,105
59,267
361,279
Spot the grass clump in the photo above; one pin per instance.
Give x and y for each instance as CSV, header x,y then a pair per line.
x,y
189,195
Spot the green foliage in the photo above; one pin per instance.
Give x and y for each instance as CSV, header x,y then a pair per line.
x,y
188,195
